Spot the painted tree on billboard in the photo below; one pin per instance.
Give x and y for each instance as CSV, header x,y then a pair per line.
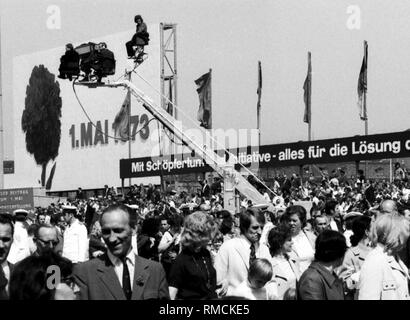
x,y
41,120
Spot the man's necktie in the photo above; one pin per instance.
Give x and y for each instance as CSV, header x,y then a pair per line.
x,y
126,282
252,255
3,285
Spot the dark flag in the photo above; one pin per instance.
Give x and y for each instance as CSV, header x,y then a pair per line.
x,y
259,91
205,100
170,107
121,122
307,96
362,86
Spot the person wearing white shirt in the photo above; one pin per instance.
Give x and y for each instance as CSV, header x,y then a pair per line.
x,y
6,240
254,287
303,249
76,242
118,266
20,248
286,271
235,255
265,231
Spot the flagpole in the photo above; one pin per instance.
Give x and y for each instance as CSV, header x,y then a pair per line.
x,y
310,98
258,105
1,121
310,109
210,118
128,77
366,129
366,125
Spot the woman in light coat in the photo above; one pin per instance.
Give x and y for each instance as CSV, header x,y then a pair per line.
x,y
303,248
286,270
356,255
383,275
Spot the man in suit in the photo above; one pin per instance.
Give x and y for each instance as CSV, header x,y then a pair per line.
x,y
206,189
6,239
120,274
235,255
330,212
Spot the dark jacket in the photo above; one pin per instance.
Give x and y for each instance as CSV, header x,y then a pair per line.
x,y
206,190
317,283
96,244
3,283
97,280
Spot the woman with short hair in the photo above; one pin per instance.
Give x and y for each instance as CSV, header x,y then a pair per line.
x,y
285,269
192,273
383,275
303,248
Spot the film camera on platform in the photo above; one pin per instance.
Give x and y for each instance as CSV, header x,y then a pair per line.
x,y
87,62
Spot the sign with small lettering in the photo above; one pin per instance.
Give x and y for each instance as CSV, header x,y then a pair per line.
x,y
8,167
20,198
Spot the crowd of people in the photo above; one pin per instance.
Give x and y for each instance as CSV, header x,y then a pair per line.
x,y
331,238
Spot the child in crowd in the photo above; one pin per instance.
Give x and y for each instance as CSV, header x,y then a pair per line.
x,y
255,287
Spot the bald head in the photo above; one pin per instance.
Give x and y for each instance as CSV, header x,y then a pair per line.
x,y
388,206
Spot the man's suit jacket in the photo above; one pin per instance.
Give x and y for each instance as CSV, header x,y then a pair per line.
x,y
317,283
206,190
97,280
4,295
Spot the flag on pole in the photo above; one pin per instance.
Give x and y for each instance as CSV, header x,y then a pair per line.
x,y
259,90
307,87
362,86
121,121
205,100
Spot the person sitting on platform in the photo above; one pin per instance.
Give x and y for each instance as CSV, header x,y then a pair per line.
x,y
140,39
70,63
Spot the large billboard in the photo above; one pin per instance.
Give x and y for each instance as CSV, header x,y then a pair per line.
x,y
88,155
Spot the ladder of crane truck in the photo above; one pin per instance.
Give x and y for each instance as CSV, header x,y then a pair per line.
x,y
219,164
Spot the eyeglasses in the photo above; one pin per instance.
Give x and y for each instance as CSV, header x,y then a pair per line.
x,y
70,282
49,243
107,231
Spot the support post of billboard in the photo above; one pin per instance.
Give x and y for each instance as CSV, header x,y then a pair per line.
x,y
1,120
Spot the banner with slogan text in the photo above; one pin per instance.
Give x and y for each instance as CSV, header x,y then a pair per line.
x,y
349,149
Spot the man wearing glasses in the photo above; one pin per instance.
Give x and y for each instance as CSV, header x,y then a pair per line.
x,y
46,238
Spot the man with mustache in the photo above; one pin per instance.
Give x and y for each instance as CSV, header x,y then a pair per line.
x,y
6,239
120,274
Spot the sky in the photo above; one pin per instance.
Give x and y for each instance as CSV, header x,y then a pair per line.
x,y
230,36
